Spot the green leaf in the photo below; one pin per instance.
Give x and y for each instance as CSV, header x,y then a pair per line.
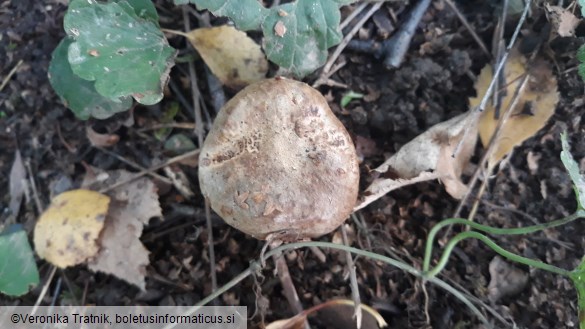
x,y
18,270
578,278
167,117
573,168
349,96
246,14
582,4
144,9
297,35
80,95
124,54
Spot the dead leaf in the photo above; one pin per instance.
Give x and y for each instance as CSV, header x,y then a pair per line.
x,y
506,280
133,204
429,156
536,104
339,315
563,21
17,185
230,54
101,140
66,233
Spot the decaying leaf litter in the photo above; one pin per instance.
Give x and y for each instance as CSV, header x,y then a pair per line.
x,y
422,98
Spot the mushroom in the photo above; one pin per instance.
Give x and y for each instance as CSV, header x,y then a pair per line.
x,y
277,162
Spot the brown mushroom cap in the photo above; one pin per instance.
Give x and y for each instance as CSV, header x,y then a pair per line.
x,y
277,160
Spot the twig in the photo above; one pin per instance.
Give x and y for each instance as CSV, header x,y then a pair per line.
x,y
44,290
199,131
396,47
134,165
10,74
151,169
326,74
353,15
178,125
33,185
355,292
288,286
469,28
477,112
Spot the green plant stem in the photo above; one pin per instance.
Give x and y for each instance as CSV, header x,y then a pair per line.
x,y
491,230
255,266
490,243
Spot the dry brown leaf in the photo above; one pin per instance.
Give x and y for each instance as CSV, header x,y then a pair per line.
x,y
428,156
17,185
230,54
66,233
536,104
101,140
133,204
563,21
339,315
506,280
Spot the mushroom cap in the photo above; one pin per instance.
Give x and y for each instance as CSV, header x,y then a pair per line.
x,y
278,161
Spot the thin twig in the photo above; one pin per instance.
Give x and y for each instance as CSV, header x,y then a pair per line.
x,y
134,165
400,41
355,292
468,26
176,159
10,74
288,286
33,185
178,125
326,74
44,290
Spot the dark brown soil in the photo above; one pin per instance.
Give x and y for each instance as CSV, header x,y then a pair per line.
x,y
432,85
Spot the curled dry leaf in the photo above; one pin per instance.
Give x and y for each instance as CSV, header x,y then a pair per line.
x,y
563,21
535,106
17,184
101,140
428,156
133,204
66,234
230,54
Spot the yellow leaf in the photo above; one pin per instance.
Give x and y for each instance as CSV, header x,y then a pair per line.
x,y
66,233
230,54
535,106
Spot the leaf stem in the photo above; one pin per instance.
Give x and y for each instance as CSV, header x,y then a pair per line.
x,y
490,243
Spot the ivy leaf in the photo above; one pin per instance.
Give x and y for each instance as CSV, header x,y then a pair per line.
x,y
573,168
297,35
18,270
123,53
80,95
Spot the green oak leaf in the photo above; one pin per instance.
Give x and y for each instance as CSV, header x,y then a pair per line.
x,y
123,53
573,168
80,95
297,35
18,270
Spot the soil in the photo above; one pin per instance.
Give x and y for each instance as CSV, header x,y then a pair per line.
x,y
433,84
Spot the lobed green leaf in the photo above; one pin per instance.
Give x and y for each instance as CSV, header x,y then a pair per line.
x,y
80,95
124,54
297,35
